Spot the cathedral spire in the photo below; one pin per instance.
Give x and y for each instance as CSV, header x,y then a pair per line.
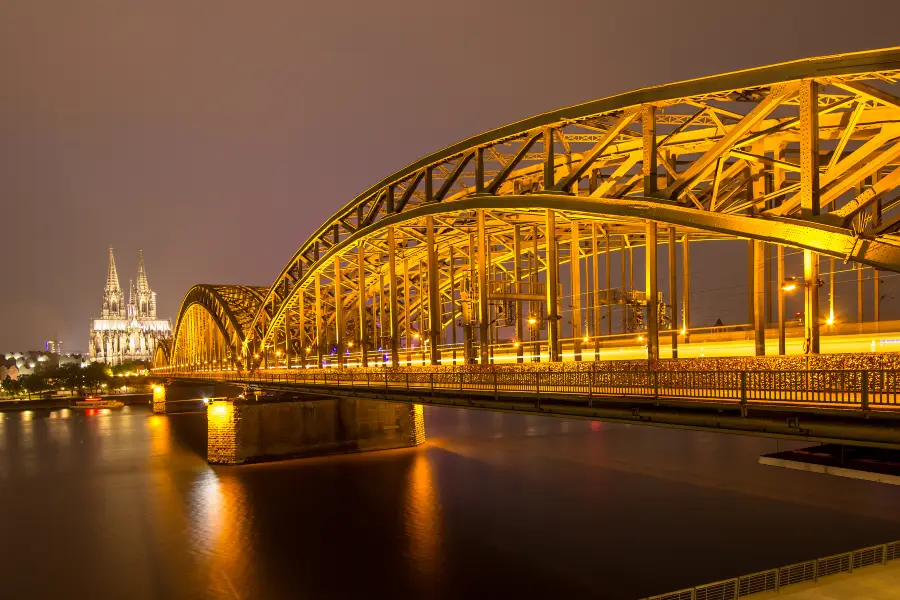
x,y
113,298
112,277
142,285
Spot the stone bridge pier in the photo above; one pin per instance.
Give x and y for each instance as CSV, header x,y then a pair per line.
x,y
252,429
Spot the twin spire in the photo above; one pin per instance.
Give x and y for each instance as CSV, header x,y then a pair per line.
x,y
112,276
142,300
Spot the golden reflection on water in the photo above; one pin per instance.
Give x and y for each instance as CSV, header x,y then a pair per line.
x,y
221,533
423,515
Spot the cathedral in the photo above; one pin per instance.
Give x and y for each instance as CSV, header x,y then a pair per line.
x,y
127,332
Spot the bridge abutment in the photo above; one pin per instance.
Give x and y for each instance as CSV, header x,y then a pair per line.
x,y
246,430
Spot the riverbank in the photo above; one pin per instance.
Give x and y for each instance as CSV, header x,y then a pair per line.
x,y
69,401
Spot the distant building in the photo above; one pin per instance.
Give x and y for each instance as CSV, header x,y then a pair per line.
x,y
126,332
15,364
54,346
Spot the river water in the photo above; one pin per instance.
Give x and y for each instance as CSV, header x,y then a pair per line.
x,y
121,504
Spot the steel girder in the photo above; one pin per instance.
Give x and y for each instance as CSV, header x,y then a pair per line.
x,y
804,153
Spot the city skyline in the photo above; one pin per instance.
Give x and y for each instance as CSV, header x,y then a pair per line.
x,y
118,138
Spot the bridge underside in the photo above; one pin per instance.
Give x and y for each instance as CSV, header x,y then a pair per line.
x,y
523,240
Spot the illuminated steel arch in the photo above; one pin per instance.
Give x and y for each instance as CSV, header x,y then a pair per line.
x,y
803,154
212,324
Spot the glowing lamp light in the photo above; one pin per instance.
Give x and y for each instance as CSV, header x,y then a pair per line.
x,y
516,344
789,284
278,353
683,331
585,339
532,321
829,320
256,356
415,336
349,344
640,338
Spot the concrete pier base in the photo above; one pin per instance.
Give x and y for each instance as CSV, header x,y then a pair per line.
x,y
250,430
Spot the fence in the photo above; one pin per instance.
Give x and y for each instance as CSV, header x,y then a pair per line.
x,y
773,580
840,388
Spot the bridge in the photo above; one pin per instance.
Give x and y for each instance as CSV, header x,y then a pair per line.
x,y
504,264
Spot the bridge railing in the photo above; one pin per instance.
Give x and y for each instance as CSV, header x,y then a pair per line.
x,y
839,388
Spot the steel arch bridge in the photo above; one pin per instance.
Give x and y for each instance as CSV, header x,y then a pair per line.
x,y
442,255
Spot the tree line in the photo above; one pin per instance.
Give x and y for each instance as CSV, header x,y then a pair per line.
x,y
77,378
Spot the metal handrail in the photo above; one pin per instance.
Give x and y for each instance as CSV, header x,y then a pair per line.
x,y
772,580
863,389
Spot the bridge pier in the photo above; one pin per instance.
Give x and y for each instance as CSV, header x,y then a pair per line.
x,y
247,430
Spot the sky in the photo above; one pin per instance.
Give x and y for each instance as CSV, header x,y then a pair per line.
x,y
217,135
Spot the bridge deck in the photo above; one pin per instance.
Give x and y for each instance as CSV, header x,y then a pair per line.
x,y
841,406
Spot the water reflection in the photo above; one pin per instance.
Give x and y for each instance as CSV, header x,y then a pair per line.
x,y
220,513
422,512
497,505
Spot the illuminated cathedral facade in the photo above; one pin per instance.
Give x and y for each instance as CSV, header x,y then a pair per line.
x,y
127,332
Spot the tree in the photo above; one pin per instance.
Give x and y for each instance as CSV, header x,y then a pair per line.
x,y
94,375
11,386
34,383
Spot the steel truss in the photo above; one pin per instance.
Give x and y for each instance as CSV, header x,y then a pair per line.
x,y
803,154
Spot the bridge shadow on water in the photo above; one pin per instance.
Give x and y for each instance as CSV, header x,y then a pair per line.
x,y
189,431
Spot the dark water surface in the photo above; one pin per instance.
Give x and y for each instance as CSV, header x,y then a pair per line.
x,y
122,505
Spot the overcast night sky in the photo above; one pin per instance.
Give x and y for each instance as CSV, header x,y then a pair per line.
x,y
217,136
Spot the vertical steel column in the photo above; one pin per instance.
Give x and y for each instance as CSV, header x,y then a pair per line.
x,y
673,289
407,311
434,298
759,297
650,241
575,280
534,307
751,278
363,330
549,160
809,204
392,292
782,343
469,315
552,287
301,315
860,294
831,269
809,148
453,302
649,164
421,306
287,338
320,343
608,275
595,276
517,275
338,311
811,294
483,310
624,286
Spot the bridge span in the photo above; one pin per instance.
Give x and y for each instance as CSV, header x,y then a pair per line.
x,y
518,246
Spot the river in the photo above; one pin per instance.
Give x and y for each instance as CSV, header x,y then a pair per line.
x,y
121,504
